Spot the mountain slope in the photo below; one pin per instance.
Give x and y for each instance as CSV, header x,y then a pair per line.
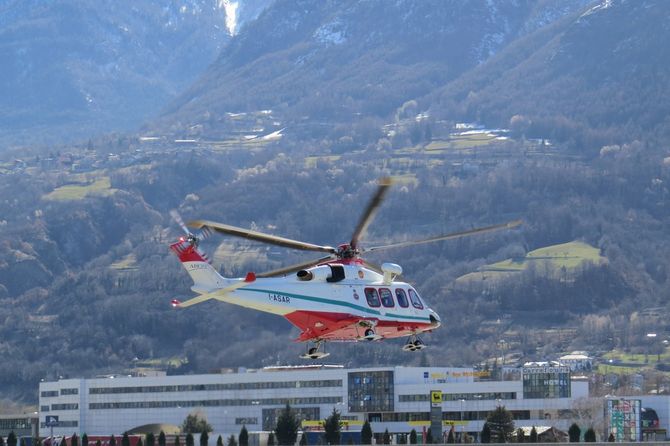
x,y
74,67
597,77
338,59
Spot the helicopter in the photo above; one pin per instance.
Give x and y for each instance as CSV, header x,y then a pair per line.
x,y
336,297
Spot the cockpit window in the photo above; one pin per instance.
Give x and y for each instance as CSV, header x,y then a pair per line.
x,y
416,302
387,297
402,297
372,297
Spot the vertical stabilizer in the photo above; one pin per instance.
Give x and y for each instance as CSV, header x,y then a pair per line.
x,y
205,278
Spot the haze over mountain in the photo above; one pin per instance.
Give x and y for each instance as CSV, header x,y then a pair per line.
x,y
334,59
76,67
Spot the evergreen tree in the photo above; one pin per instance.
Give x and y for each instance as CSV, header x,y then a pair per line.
x,y
590,435
231,440
574,432
287,427
74,441
303,439
194,424
387,437
11,439
331,427
98,443
485,436
112,440
150,439
611,438
520,437
271,439
177,441
429,437
366,433
161,439
84,440
243,437
219,441
533,435
412,437
501,423
189,439
451,437
204,438
139,442
125,440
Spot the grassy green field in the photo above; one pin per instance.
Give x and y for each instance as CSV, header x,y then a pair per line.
x,y
567,255
128,263
100,187
310,161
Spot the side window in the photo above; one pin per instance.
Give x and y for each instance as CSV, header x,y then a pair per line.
x,y
416,302
387,297
402,297
372,297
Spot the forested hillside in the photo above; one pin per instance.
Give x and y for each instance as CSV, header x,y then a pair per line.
x,y
88,278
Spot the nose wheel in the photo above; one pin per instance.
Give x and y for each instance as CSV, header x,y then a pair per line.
x,y
413,344
315,352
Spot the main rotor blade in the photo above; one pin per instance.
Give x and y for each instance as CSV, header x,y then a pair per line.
x,y
177,219
370,211
259,236
508,225
297,267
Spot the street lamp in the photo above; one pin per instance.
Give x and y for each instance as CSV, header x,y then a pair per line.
x,y
461,401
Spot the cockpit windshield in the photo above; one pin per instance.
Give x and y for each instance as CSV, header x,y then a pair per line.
x,y
416,301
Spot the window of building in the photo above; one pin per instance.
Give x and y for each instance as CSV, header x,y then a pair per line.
x,y
215,387
371,391
416,302
48,393
69,391
67,406
386,297
402,297
246,421
372,296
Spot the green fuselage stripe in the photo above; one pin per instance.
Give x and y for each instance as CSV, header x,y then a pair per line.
x,y
337,302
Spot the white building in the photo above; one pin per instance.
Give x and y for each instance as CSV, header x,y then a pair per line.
x,y
393,398
577,361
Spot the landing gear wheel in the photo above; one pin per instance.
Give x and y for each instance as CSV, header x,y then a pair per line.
x,y
314,353
413,344
370,335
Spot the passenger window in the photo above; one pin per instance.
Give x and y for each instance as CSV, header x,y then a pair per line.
x,y
402,297
416,302
372,297
387,297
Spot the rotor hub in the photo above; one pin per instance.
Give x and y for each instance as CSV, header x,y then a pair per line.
x,y
346,251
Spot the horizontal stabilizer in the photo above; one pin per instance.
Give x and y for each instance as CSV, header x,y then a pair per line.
x,y
218,294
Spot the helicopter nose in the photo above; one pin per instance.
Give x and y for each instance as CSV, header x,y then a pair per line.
x,y
434,318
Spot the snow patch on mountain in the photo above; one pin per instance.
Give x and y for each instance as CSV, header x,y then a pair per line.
x,y
333,33
231,14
